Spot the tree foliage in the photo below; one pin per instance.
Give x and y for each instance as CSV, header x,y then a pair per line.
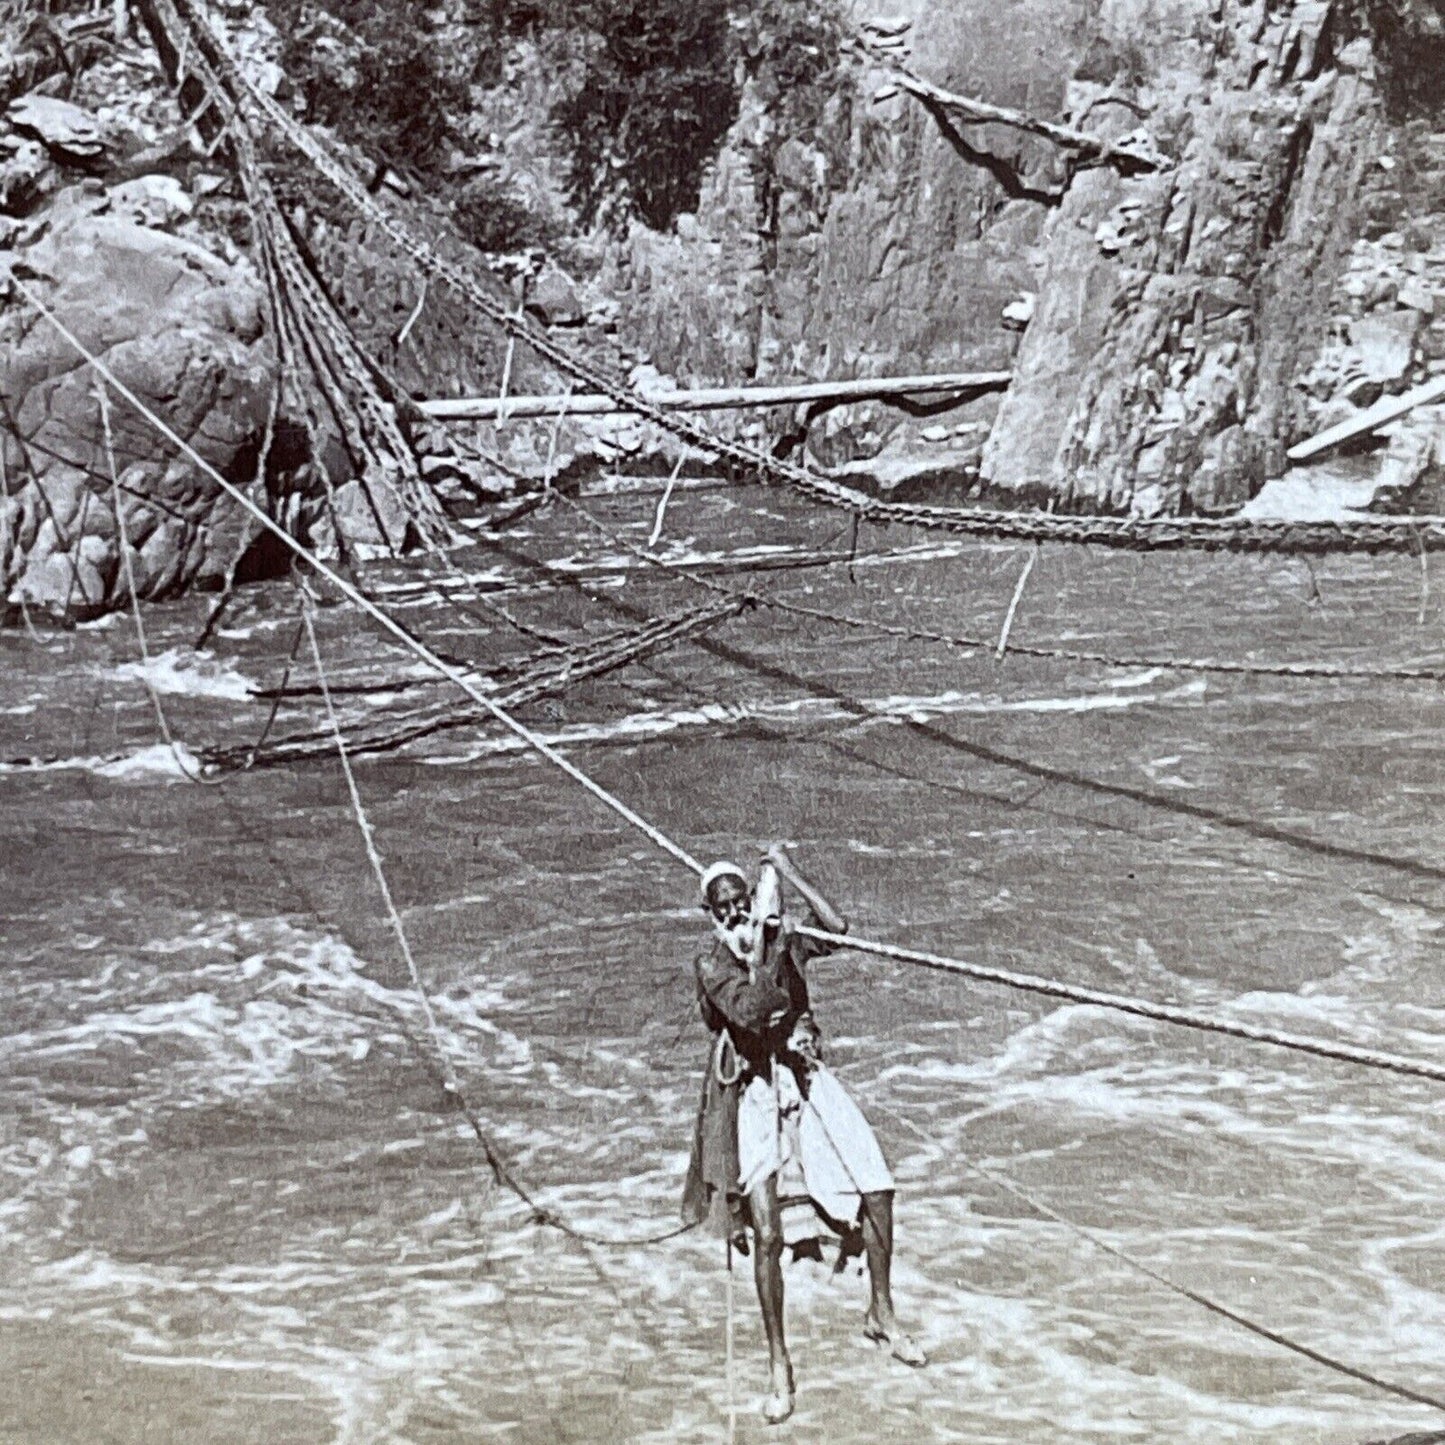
x,y
661,85
647,89
657,96
372,70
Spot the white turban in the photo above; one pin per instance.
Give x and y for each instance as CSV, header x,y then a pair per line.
x,y
721,869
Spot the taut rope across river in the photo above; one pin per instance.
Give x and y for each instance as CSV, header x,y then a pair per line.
x,y
1343,1053
307,329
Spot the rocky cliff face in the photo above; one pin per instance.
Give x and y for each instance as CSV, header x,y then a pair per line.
x,y
871,246
128,225
1198,293
1170,332
1179,329
98,202
184,331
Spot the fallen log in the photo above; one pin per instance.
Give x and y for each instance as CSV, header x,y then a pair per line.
x,y
487,408
1127,157
1387,409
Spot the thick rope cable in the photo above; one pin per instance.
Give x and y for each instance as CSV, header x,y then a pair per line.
x,y
658,635
278,696
361,398
450,1080
308,328
1030,983
1141,1008
1206,1302
1370,535
968,643
374,858
1169,662
526,665
523,665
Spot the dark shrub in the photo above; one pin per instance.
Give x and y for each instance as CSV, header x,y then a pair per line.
x,y
649,88
494,218
656,98
381,81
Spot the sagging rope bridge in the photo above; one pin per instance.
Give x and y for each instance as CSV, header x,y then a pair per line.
x,y
546,677
187,31
1384,1061
223,79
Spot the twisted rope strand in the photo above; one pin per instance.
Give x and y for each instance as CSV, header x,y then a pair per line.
x,y
1142,1008
1369,535
656,636
1328,670
773,602
451,1082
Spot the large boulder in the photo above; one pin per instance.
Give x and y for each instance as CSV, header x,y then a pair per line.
x,y
68,131
1164,365
184,331
1167,383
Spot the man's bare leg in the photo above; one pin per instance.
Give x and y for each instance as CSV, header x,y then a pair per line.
x,y
768,1272
881,1323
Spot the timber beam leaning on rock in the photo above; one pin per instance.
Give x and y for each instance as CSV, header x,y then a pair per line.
x,y
1127,157
1387,409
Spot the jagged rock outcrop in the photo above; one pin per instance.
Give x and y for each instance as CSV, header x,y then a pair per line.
x,y
1208,283
98,189
1171,333
183,330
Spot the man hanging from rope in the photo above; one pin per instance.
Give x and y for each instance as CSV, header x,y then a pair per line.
x,y
769,1102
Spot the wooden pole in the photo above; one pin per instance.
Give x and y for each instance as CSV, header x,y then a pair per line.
x,y
1013,607
1128,156
1371,419
485,408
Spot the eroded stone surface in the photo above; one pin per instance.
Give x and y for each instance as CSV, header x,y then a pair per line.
x,y
1210,282
184,331
61,126
1166,361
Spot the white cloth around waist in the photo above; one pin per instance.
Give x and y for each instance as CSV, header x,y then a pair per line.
x,y
825,1134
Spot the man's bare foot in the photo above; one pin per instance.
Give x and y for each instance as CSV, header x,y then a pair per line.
x,y
779,1404
901,1345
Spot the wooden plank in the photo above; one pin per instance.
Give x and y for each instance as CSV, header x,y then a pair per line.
x,y
487,408
1371,419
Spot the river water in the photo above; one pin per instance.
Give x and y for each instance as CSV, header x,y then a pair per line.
x,y
235,1207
